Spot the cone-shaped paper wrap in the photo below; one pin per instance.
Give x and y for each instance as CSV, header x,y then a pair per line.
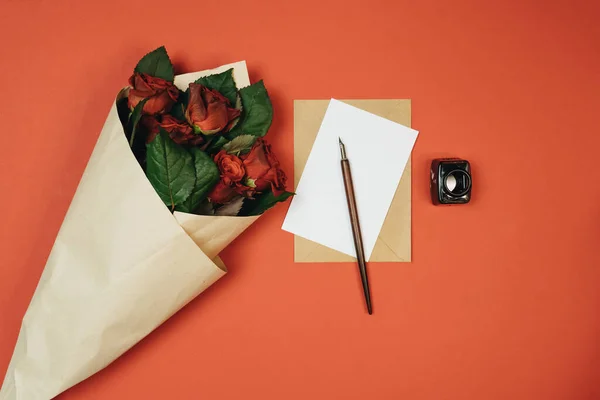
x,y
121,265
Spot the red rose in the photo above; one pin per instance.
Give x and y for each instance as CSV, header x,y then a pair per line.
x,y
179,131
149,127
262,167
208,111
161,94
231,169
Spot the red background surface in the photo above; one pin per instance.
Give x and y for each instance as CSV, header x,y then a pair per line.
x,y
501,300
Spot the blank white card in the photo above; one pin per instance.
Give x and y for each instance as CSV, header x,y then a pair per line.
x,y
378,150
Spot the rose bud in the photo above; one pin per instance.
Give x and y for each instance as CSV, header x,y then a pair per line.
x,y
160,94
263,169
208,111
180,132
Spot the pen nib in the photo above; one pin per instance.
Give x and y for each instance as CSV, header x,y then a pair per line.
x,y
342,149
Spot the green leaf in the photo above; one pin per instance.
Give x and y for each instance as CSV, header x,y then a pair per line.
x,y
157,64
205,208
222,83
238,105
134,120
170,169
207,176
240,144
257,111
178,110
232,208
263,202
216,144
131,121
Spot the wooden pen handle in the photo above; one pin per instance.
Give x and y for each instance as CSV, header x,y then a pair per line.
x,y
358,243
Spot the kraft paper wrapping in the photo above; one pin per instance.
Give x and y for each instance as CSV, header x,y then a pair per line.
x,y
121,265
394,241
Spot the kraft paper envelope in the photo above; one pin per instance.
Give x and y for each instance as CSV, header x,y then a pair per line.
x,y
394,241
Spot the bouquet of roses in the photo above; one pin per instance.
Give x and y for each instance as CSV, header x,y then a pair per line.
x,y
180,169
202,148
